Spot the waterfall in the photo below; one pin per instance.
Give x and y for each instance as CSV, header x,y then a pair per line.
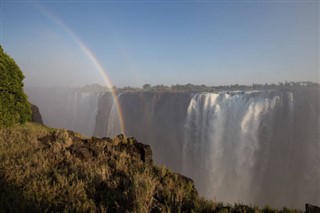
x,y
81,110
222,142
114,127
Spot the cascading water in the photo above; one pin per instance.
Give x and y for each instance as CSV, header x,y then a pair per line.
x,y
67,108
222,141
82,108
114,127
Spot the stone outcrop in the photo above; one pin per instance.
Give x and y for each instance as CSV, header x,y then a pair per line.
x,y
90,148
312,209
36,116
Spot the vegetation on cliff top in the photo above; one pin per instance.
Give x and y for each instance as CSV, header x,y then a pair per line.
x,y
14,105
203,88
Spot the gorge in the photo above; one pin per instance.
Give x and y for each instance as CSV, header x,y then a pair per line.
x,y
257,147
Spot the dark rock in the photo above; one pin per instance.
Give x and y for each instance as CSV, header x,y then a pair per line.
x,y
186,181
100,141
117,148
145,152
87,148
107,139
46,140
82,153
96,150
2,177
74,138
108,148
184,178
36,116
312,209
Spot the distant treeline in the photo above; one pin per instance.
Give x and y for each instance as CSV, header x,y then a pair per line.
x,y
203,88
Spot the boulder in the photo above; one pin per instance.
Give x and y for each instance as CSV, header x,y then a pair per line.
x,y
59,139
312,209
96,150
82,152
75,139
36,116
145,152
90,148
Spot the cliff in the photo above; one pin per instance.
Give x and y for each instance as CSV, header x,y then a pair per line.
x,y
36,115
43,169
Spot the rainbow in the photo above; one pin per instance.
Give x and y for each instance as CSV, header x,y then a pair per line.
x,y
90,56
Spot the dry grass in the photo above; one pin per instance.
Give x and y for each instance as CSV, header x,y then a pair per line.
x,y
46,176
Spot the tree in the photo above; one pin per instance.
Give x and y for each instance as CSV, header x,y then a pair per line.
x,y
14,105
146,87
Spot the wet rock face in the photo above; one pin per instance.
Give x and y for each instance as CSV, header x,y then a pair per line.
x,y
36,116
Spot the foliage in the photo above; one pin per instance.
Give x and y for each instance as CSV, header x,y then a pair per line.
x,y
146,86
235,87
14,106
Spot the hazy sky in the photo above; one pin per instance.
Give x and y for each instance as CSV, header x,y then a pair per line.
x,y
162,42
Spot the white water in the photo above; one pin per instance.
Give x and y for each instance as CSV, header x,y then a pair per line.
x,y
114,127
222,142
81,109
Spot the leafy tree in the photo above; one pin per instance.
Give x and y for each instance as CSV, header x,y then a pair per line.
x,y
146,86
14,105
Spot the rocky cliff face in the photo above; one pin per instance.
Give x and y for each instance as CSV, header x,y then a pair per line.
x,y
256,146
36,115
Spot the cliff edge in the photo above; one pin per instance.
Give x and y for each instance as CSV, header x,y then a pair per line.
x,y
44,169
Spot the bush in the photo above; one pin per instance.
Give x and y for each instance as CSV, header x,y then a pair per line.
x,y
14,105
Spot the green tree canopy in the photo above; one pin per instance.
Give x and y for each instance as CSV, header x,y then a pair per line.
x,y
146,86
14,105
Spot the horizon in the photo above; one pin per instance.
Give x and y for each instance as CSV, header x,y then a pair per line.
x,y
100,86
131,43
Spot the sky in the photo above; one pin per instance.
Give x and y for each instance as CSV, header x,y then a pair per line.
x,y
162,42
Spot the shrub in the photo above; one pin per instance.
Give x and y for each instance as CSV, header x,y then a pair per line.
x,y
14,105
